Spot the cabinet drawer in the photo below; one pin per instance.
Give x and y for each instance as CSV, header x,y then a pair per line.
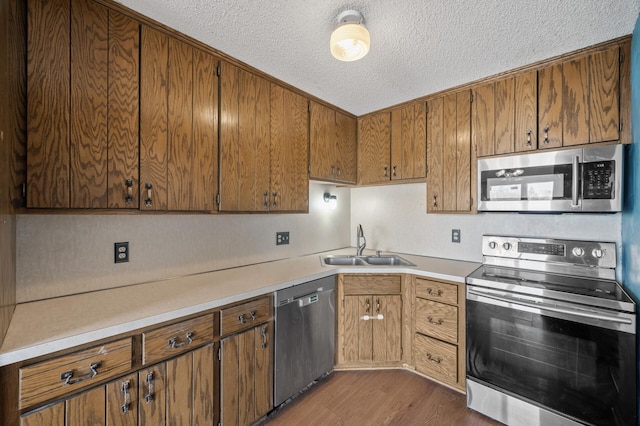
x,y
437,320
244,316
434,290
69,373
435,358
176,338
371,284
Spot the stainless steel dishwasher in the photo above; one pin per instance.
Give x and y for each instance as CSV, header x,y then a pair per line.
x,y
304,336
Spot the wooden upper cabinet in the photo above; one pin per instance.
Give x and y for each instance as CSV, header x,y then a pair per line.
x,y
450,161
493,117
374,148
178,125
82,90
332,145
550,107
289,150
526,122
409,142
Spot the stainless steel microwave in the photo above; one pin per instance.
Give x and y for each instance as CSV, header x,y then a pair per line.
x,y
574,180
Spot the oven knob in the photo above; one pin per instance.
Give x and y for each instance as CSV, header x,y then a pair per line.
x,y
578,251
506,246
598,253
493,245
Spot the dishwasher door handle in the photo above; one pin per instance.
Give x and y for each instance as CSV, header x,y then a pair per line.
x,y
308,300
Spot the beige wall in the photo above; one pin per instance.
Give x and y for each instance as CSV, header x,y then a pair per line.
x,y
61,254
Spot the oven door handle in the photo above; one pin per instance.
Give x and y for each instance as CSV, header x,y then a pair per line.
x,y
575,175
551,308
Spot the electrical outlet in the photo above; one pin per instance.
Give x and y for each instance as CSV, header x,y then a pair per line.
x,y
282,238
121,252
455,235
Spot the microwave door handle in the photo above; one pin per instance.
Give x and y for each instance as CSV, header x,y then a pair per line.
x,y
574,181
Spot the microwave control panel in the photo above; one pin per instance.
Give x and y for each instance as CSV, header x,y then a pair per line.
x,y
598,180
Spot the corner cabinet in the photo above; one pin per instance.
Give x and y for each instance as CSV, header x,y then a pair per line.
x,y
439,331
82,102
450,157
264,145
333,145
178,125
370,321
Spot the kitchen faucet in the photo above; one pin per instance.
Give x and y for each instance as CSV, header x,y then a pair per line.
x,y
360,234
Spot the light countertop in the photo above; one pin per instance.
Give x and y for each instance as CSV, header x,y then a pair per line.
x,y
42,327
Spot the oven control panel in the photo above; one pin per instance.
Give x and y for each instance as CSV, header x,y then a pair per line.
x,y
574,252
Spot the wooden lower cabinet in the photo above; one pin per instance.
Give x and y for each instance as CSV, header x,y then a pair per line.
x,y
370,319
180,391
246,371
439,331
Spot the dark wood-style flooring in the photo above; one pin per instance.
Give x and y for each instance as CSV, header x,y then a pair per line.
x,y
388,397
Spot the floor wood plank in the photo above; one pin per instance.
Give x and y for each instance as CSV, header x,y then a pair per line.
x,y
388,397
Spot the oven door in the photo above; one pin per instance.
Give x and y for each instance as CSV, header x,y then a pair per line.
x,y
582,366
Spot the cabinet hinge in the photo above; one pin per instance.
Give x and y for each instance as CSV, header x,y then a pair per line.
x,y
470,97
218,70
24,190
308,107
220,354
620,127
218,199
620,56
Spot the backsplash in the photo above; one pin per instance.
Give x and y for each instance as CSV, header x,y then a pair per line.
x,y
62,254
394,219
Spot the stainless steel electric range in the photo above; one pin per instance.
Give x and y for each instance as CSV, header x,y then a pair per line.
x,y
551,335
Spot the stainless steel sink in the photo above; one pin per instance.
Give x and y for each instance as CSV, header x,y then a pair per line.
x,y
388,260
345,260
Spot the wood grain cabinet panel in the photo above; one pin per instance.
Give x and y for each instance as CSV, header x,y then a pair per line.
x,y
333,145
50,415
409,142
526,107
484,119
246,315
550,89
374,148
176,338
82,89
436,359
178,125
451,162
122,401
152,394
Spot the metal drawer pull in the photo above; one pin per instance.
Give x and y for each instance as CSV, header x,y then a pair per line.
x,y
173,342
434,292
377,306
127,397
438,322
367,306
275,199
68,375
529,132
253,315
148,202
437,360
149,396
129,198
265,203
264,337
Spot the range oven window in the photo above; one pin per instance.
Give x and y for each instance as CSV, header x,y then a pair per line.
x,y
583,371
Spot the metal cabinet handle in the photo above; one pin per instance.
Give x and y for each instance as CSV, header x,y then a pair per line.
x,y
377,306
529,133
173,342
438,322
127,397
385,171
253,315
265,202
150,385
148,202
333,170
275,199
263,333
67,376
367,306
435,200
434,292
128,199
394,170
546,134
431,358
339,171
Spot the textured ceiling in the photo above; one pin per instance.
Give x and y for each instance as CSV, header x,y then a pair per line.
x,y
418,47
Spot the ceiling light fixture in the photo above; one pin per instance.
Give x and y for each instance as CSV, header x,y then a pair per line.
x,y
350,40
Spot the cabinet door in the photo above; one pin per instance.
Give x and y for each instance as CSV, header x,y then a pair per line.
x,y
244,141
387,331
435,155
122,401
153,395
550,104
52,415
322,142
604,95
575,95
526,111
374,148
409,143
81,58
263,337
86,409
345,148
289,150
483,119
505,115
230,380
